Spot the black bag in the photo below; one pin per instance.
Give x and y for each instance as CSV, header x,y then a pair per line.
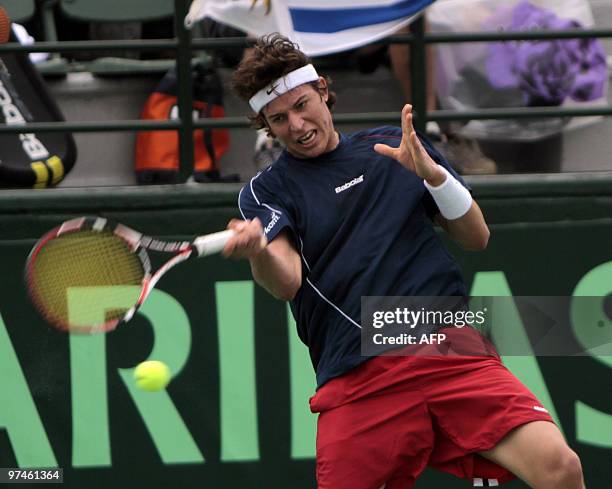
x,y
29,159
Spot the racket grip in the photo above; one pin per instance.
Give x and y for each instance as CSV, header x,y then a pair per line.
x,y
212,243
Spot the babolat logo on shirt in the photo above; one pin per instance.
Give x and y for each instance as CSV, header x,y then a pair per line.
x,y
350,184
272,222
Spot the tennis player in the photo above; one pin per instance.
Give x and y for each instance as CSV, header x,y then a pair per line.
x,y
352,215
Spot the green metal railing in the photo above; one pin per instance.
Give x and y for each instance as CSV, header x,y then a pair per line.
x,y
184,45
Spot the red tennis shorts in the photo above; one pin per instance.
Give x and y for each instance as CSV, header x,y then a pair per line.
x,y
386,420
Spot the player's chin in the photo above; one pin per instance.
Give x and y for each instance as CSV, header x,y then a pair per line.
x,y
307,152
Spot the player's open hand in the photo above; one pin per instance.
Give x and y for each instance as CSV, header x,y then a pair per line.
x,y
411,154
248,241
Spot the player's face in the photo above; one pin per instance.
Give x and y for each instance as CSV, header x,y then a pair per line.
x,y
302,121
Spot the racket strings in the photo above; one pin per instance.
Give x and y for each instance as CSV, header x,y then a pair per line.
x,y
86,278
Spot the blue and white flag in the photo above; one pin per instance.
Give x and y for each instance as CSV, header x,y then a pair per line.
x,y
319,27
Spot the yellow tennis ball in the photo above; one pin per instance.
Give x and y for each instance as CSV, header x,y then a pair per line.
x,y
152,375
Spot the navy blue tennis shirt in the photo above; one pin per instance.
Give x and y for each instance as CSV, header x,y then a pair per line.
x,y
363,226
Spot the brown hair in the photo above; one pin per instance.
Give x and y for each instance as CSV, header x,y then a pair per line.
x,y
272,57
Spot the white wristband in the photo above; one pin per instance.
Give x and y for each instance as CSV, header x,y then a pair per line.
x,y
452,198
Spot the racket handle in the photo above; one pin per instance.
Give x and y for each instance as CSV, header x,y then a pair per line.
x,y
212,243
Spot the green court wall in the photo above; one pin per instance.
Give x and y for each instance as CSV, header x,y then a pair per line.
x,y
236,412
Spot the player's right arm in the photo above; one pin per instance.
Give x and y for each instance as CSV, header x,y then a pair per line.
x,y
276,265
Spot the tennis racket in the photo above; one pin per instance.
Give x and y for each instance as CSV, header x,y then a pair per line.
x,y
89,274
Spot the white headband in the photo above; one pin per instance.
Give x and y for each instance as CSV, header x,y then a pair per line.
x,y
282,85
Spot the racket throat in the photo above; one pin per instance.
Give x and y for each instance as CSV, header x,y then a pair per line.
x,y
130,314
150,281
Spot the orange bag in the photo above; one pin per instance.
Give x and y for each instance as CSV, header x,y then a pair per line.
x,y
157,153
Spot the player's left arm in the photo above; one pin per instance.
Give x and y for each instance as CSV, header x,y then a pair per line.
x,y
460,215
470,231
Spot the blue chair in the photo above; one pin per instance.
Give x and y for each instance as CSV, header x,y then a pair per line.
x,y
117,10
120,11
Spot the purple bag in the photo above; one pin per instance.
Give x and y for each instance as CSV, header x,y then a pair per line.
x,y
471,76
547,72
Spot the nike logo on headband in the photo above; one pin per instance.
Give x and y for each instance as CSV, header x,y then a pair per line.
x,y
278,87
